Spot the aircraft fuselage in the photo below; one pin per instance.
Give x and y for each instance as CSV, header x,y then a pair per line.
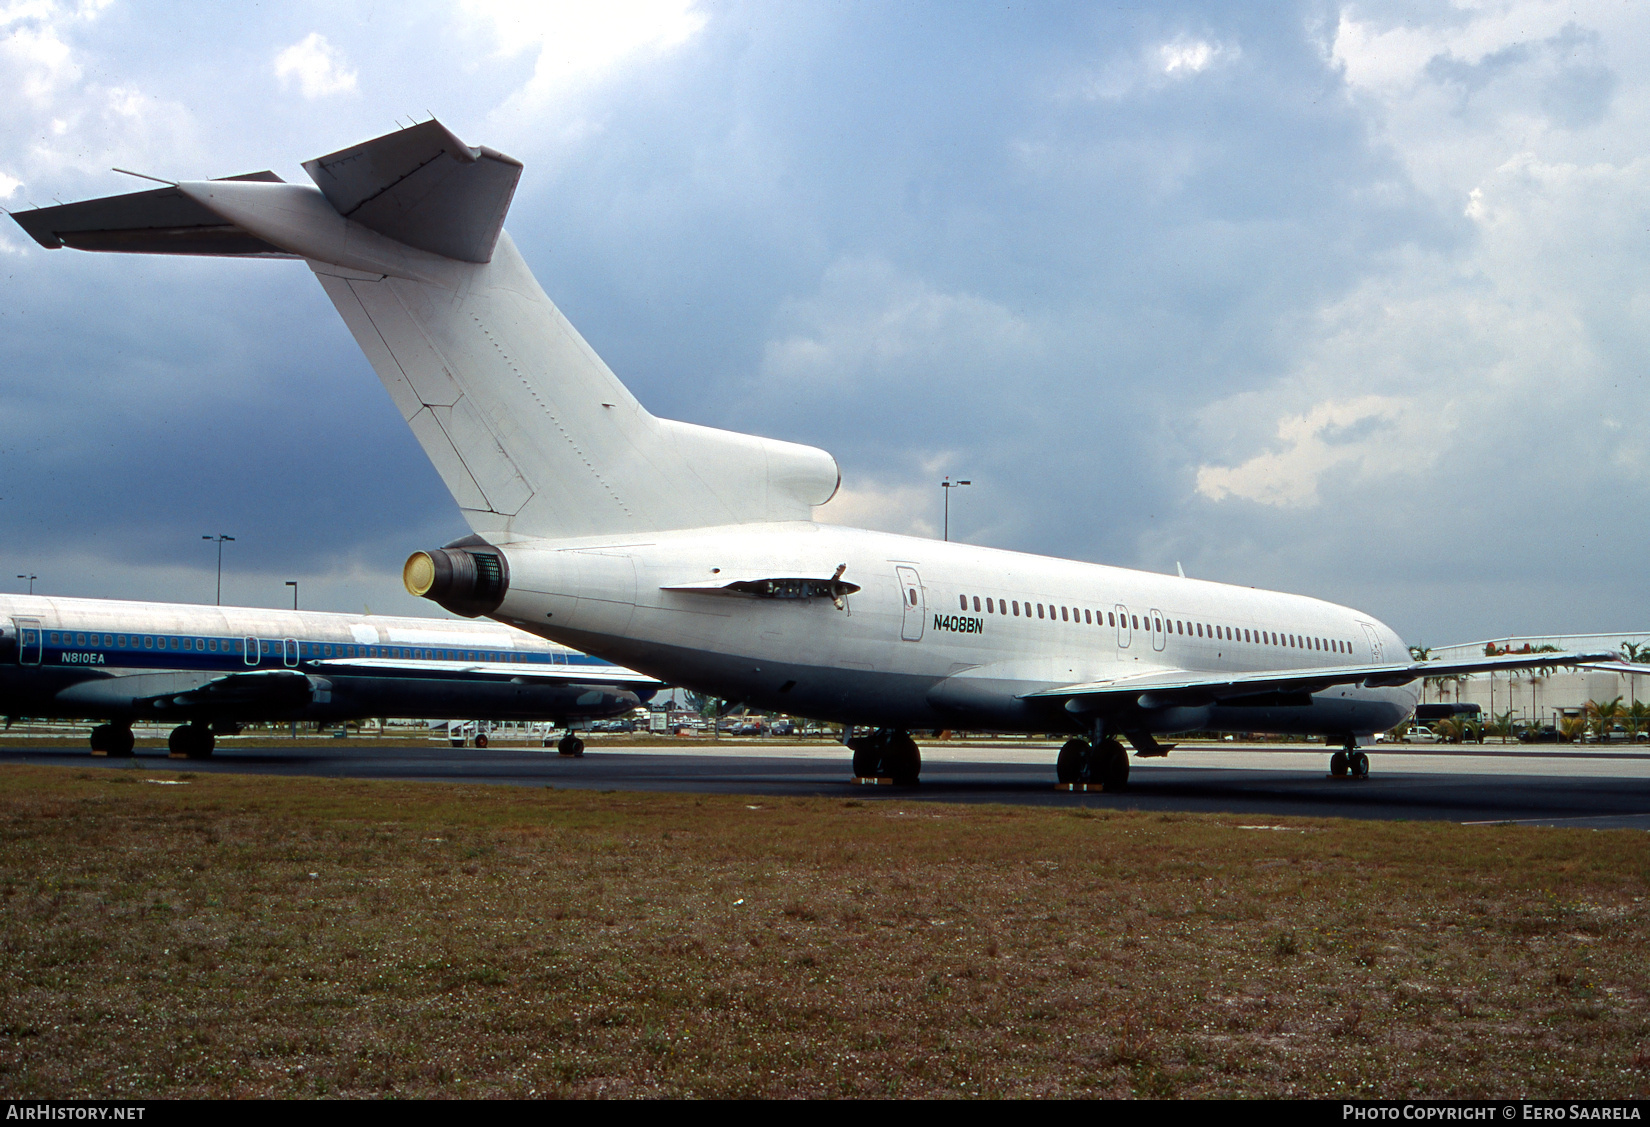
x,y
938,635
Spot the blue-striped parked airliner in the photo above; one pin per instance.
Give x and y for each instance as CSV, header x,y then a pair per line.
x,y
213,669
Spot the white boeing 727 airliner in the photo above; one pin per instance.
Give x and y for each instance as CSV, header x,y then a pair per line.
x,y
690,553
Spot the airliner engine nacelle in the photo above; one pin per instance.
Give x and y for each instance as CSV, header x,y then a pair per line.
x,y
470,580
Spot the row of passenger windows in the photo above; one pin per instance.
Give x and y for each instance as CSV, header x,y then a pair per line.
x,y
236,646
1157,623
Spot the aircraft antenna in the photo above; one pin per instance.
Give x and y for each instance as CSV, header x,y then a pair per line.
x,y
144,176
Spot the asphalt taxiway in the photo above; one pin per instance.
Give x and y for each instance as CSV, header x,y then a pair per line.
x,y
1595,788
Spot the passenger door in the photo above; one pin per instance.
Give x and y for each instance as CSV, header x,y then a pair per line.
x,y
1124,634
913,603
30,640
1375,647
1154,618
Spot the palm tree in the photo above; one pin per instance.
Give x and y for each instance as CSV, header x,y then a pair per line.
x,y
1638,718
1572,728
1603,716
1500,725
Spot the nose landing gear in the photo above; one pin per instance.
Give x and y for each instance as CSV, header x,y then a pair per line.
x,y
1349,761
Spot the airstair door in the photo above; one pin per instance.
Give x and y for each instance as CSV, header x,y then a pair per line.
x,y
910,587
30,640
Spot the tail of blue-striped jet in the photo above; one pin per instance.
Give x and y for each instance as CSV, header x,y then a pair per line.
x,y
532,433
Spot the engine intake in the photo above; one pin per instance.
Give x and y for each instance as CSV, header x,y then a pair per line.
x,y
470,581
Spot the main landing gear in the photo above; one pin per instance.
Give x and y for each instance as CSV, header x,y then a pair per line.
x,y
113,740
191,741
571,746
1105,764
1349,761
887,753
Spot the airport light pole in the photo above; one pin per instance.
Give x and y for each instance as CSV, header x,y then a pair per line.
x,y
220,541
293,583
948,485
31,579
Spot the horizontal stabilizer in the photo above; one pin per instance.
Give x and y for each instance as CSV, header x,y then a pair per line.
x,y
422,187
162,221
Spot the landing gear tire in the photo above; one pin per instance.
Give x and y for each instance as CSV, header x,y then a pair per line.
x,y
1338,765
1358,764
481,739
1112,764
191,741
113,740
887,753
1075,763
570,746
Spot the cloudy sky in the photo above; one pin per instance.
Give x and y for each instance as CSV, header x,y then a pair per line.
x,y
1351,300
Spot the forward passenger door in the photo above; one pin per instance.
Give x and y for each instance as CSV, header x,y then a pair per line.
x,y
911,597
30,640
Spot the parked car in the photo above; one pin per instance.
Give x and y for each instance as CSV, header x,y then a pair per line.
x,y
1420,734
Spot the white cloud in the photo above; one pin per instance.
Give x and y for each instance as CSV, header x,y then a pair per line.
x,y
870,323
316,66
1156,67
1370,435
38,60
8,185
1186,56
905,509
66,113
578,43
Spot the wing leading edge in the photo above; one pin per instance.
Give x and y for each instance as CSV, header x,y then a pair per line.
x,y
1171,687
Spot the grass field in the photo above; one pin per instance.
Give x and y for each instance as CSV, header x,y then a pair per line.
x,y
163,934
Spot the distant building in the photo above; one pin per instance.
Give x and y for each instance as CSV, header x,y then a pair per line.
x,y
1531,694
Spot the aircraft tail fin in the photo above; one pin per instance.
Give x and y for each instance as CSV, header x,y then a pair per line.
x,y
532,433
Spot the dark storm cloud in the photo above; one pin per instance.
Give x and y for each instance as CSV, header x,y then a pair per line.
x,y
1083,256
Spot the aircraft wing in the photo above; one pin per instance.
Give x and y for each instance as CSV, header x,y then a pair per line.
x,y
528,674
1630,669
1168,687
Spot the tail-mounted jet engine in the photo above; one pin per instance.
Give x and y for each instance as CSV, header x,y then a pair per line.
x,y
468,576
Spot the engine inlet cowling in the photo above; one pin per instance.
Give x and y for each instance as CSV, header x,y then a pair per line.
x,y
467,581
